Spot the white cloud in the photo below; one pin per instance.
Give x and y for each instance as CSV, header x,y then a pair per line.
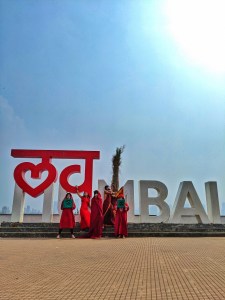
x,y
12,127
13,132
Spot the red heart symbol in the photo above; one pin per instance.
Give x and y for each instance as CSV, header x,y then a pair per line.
x,y
36,171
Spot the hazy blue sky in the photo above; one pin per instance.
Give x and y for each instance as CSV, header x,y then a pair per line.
x,y
95,75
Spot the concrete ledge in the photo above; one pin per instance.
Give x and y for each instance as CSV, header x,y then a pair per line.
x,y
66,234
50,230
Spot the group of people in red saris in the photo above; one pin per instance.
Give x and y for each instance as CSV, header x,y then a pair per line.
x,y
95,214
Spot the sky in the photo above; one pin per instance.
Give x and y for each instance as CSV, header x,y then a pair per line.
x,y
96,75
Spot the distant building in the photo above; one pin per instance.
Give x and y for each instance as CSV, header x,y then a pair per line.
x,y
35,211
27,210
5,210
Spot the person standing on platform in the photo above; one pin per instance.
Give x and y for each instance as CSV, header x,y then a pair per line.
x,y
109,206
120,227
96,221
67,219
84,210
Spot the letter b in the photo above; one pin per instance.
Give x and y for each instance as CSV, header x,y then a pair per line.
x,y
159,201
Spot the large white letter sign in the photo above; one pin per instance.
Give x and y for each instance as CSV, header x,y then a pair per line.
x,y
159,201
187,191
212,201
129,196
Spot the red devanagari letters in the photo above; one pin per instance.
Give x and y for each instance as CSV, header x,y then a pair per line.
x,y
46,165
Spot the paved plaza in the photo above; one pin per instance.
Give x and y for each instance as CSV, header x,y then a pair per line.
x,y
132,268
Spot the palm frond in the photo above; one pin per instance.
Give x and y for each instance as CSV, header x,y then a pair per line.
x,y
116,162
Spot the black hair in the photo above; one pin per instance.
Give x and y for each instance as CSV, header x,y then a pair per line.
x,y
106,187
87,194
95,192
69,194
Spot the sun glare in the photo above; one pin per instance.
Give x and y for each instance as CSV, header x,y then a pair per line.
x,y
198,27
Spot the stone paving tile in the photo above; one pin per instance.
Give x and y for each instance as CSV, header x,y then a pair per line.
x,y
135,268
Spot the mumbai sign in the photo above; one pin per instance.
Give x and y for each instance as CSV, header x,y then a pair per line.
x,y
178,214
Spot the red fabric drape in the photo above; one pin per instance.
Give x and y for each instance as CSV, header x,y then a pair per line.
x,y
96,221
120,227
67,219
85,213
108,208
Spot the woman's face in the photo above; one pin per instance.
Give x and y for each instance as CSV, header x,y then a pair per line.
x,y
85,194
69,196
95,195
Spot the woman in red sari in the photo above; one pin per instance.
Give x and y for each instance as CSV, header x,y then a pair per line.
x,y
96,222
67,219
109,206
84,211
120,228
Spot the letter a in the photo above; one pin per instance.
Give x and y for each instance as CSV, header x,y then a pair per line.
x,y
180,213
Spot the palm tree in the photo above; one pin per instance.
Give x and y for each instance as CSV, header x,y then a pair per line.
x,y
116,162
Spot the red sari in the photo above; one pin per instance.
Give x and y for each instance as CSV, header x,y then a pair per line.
x,y
96,221
67,219
120,227
84,213
108,210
